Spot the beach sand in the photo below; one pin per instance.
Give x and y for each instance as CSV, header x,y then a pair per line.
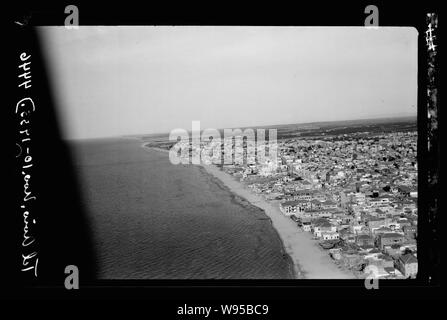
x,y
309,260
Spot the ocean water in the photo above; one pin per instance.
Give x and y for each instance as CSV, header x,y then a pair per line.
x,y
155,220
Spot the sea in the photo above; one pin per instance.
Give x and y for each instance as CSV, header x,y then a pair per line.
x,y
154,220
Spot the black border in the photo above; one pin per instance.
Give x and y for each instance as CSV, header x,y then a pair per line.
x,y
335,14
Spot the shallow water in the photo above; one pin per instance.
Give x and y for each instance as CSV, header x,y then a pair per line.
x,y
155,220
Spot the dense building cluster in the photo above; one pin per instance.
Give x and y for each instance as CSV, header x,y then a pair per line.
x,y
356,194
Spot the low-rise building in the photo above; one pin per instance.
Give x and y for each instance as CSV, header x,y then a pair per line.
x,y
329,235
388,239
408,265
364,240
321,226
410,231
291,207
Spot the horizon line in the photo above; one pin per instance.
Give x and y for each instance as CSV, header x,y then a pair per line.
x,y
136,135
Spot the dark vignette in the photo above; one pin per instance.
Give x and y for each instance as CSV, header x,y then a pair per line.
x,y
66,237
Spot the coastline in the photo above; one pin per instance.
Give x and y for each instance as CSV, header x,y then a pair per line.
x,y
308,260
294,269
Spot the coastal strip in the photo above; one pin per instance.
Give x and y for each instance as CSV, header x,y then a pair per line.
x,y
308,260
293,269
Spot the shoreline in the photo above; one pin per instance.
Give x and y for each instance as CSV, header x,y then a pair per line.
x,y
308,260
294,269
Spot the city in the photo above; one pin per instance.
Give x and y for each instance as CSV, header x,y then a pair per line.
x,y
355,193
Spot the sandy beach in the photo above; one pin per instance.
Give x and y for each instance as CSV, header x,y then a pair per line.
x,y
309,260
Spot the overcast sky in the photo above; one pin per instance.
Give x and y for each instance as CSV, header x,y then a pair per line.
x,y
115,81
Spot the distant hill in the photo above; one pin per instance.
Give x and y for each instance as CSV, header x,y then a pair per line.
x,y
325,128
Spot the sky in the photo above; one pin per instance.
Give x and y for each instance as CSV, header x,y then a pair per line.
x,y
113,81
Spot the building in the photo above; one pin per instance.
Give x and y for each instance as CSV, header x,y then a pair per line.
x,y
408,265
364,240
388,239
410,231
321,226
393,250
316,204
328,205
382,230
291,207
375,223
380,213
388,261
347,236
307,226
329,235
